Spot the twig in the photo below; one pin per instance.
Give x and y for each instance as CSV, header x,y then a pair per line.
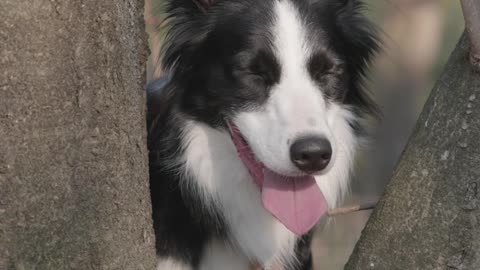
x,y
471,13
351,209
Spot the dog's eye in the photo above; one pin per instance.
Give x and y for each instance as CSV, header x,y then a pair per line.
x,y
261,78
264,69
321,68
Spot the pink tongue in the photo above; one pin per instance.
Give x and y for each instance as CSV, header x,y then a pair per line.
x,y
296,202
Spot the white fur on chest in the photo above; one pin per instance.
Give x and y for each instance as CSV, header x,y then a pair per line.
x,y
211,159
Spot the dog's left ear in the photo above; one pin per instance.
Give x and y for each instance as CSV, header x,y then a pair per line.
x,y
358,32
360,40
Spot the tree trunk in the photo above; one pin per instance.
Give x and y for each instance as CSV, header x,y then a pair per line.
x,y
73,159
429,217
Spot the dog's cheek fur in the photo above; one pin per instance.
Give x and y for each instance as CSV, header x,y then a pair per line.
x,y
334,183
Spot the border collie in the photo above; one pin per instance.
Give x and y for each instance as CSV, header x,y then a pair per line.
x,y
253,136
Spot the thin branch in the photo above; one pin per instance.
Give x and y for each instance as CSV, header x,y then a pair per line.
x,y
351,209
471,12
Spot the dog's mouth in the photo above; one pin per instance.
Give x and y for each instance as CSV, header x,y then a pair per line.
x,y
296,202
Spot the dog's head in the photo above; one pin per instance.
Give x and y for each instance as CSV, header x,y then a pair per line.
x,y
283,71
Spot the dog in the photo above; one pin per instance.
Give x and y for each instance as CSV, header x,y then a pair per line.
x,y
253,132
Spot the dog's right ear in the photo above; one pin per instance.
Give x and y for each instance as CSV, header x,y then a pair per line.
x,y
192,6
187,24
203,5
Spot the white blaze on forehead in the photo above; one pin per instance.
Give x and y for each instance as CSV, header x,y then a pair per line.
x,y
290,37
297,96
296,106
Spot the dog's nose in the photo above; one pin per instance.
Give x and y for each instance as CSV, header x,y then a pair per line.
x,y
311,154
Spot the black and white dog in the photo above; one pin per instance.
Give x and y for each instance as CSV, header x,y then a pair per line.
x,y
253,136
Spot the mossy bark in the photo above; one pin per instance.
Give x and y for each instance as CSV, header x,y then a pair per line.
x,y
73,158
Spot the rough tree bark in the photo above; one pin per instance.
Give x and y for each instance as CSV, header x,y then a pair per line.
x,y
429,217
73,158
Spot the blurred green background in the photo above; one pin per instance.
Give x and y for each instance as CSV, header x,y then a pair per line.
x,y
418,37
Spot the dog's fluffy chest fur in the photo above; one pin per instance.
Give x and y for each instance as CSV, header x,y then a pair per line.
x,y
210,158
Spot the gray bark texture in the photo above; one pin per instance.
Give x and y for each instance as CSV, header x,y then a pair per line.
x,y
429,217
73,158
